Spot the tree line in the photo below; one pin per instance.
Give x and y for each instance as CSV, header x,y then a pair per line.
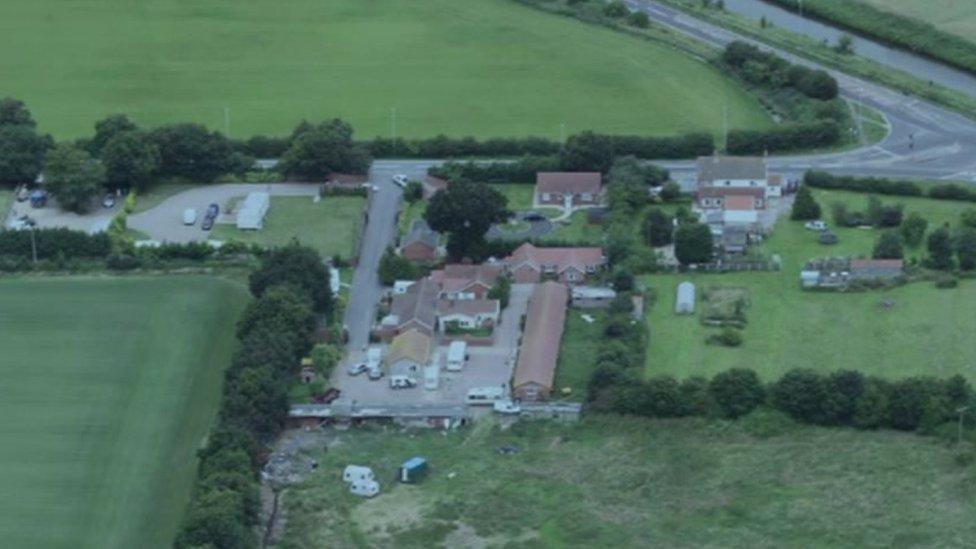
x,y
275,331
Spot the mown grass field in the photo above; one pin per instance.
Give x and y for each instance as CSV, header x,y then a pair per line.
x,y
626,482
109,386
954,16
926,330
458,67
331,226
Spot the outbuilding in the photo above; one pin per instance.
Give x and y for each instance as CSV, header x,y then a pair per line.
x,y
412,470
251,214
685,302
357,473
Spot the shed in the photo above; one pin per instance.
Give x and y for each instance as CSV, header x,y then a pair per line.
x,y
251,214
357,473
365,488
685,303
412,470
809,279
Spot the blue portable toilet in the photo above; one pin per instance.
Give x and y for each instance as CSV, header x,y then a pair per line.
x,y
38,198
412,470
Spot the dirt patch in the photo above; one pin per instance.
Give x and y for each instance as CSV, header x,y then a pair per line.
x,y
399,509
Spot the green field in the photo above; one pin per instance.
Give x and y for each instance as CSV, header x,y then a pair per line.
x,y
458,67
625,482
331,225
926,331
109,386
955,16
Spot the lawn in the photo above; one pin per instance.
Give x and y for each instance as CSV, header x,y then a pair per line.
x,y
520,195
926,330
109,386
953,16
457,67
577,353
331,225
625,482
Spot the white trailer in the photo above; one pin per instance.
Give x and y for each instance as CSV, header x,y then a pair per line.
x,y
457,355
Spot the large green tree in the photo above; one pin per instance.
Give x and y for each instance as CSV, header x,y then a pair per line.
x,y
913,229
193,152
801,394
889,245
658,228
318,150
107,128
805,206
940,249
298,266
587,151
73,177
465,211
21,154
131,159
13,112
737,391
693,243
964,243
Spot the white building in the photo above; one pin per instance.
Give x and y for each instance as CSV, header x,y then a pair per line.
x,y
251,214
457,355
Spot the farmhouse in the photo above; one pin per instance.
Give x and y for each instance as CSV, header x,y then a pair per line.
x,y
529,264
569,188
467,314
466,281
535,369
421,244
408,353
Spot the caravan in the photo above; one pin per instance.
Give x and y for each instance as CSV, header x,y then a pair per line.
x,y
485,396
457,355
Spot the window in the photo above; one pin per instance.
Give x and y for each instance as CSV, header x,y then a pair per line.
x,y
727,183
587,197
546,197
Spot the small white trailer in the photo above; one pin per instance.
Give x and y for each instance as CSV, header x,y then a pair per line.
x,y
457,355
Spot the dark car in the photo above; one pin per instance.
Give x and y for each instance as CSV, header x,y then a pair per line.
x,y
213,210
533,216
207,224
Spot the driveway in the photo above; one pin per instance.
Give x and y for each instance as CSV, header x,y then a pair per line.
x,y
53,217
164,222
536,229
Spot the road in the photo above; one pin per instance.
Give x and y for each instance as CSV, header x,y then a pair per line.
x,y
944,142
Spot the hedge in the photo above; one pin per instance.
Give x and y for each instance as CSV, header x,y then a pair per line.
x,y
788,137
55,244
893,187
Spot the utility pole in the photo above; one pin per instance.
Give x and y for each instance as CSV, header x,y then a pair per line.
x,y
393,122
227,121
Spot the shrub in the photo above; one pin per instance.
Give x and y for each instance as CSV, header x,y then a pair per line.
x,y
639,19
737,392
616,8
728,337
805,207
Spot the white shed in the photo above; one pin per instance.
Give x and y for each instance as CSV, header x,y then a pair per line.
x,y
357,473
685,302
456,355
365,488
252,211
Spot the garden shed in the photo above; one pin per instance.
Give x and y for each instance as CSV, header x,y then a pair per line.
x,y
685,302
251,214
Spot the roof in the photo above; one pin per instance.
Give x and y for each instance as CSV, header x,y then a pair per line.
x,y
720,168
739,202
468,307
421,233
569,182
686,292
543,333
252,211
562,258
456,277
593,292
877,267
725,192
410,345
735,237
417,303
774,180
414,462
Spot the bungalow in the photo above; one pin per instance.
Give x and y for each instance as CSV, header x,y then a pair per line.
x,y
421,244
467,314
413,309
569,188
535,369
529,264
466,281
409,353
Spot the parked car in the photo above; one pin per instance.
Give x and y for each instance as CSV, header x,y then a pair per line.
x,y
327,397
375,372
213,210
815,225
507,407
402,382
357,368
400,180
533,216
23,194
189,216
207,224
108,201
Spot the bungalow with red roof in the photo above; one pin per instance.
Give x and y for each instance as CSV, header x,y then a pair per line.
x,y
466,281
535,368
467,314
529,264
569,188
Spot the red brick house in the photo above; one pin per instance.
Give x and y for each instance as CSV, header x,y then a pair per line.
x,y
422,244
466,281
535,369
579,188
529,264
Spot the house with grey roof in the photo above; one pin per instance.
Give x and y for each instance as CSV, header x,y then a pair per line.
x,y
422,244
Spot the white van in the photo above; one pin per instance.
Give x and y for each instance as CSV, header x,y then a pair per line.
x,y
189,216
485,396
402,382
457,354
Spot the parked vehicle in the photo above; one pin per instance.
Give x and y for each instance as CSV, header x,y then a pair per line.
x,y
815,225
507,407
357,368
213,210
38,198
207,224
375,372
189,216
485,396
108,201
23,194
402,382
533,216
21,223
400,180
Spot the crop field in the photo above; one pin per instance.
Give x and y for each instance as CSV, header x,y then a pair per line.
x,y
457,67
109,386
924,331
625,482
331,226
955,16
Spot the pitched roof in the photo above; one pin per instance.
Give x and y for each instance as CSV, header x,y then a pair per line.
x,y
456,277
418,303
562,258
468,307
421,233
740,202
543,333
568,182
720,168
722,192
412,345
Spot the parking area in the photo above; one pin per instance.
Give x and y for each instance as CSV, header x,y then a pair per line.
x,y
51,216
487,366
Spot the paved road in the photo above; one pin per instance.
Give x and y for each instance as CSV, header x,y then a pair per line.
x,y
944,142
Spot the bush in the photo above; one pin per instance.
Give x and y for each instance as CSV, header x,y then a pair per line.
x,y
875,185
55,244
737,392
639,19
393,267
616,8
788,137
805,207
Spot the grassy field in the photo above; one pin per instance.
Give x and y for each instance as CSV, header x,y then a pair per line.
x,y
331,226
458,67
109,386
624,482
577,354
520,195
952,16
924,332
